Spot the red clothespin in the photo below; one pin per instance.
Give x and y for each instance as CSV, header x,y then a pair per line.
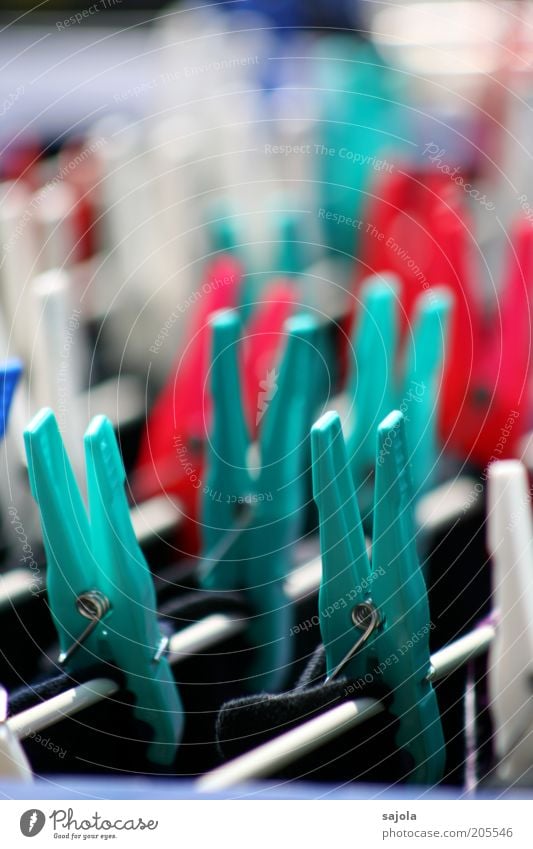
x,y
171,453
421,231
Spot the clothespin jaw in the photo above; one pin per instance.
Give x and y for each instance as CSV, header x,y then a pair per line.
x,y
283,437
175,432
425,355
96,571
345,566
375,388
374,618
10,373
499,393
510,668
402,597
426,232
227,480
223,232
282,491
273,494
290,256
371,390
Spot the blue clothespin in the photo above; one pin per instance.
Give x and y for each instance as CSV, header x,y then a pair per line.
x,y
10,373
375,387
100,590
374,617
255,512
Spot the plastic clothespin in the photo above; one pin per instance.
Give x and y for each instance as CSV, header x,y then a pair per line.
x,y
421,233
10,373
262,343
20,162
84,180
510,667
380,623
285,260
178,418
375,387
290,257
426,239
97,574
223,229
255,513
290,260
171,457
357,127
14,764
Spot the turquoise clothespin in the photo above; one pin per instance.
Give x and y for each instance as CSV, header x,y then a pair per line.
x,y
363,128
96,572
10,372
380,615
375,387
271,492
289,255
223,228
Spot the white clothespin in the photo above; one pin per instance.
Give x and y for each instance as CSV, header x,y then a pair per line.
x,y
18,265
14,764
54,215
56,370
510,542
142,266
55,376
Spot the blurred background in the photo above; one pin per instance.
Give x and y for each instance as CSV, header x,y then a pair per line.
x,y
161,162
317,144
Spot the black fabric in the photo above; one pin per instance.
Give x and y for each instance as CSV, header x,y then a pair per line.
x,y
366,753
27,629
206,680
459,593
105,738
46,688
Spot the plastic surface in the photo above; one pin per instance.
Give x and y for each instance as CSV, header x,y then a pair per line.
x,y
397,652
510,667
377,385
10,373
98,551
264,497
